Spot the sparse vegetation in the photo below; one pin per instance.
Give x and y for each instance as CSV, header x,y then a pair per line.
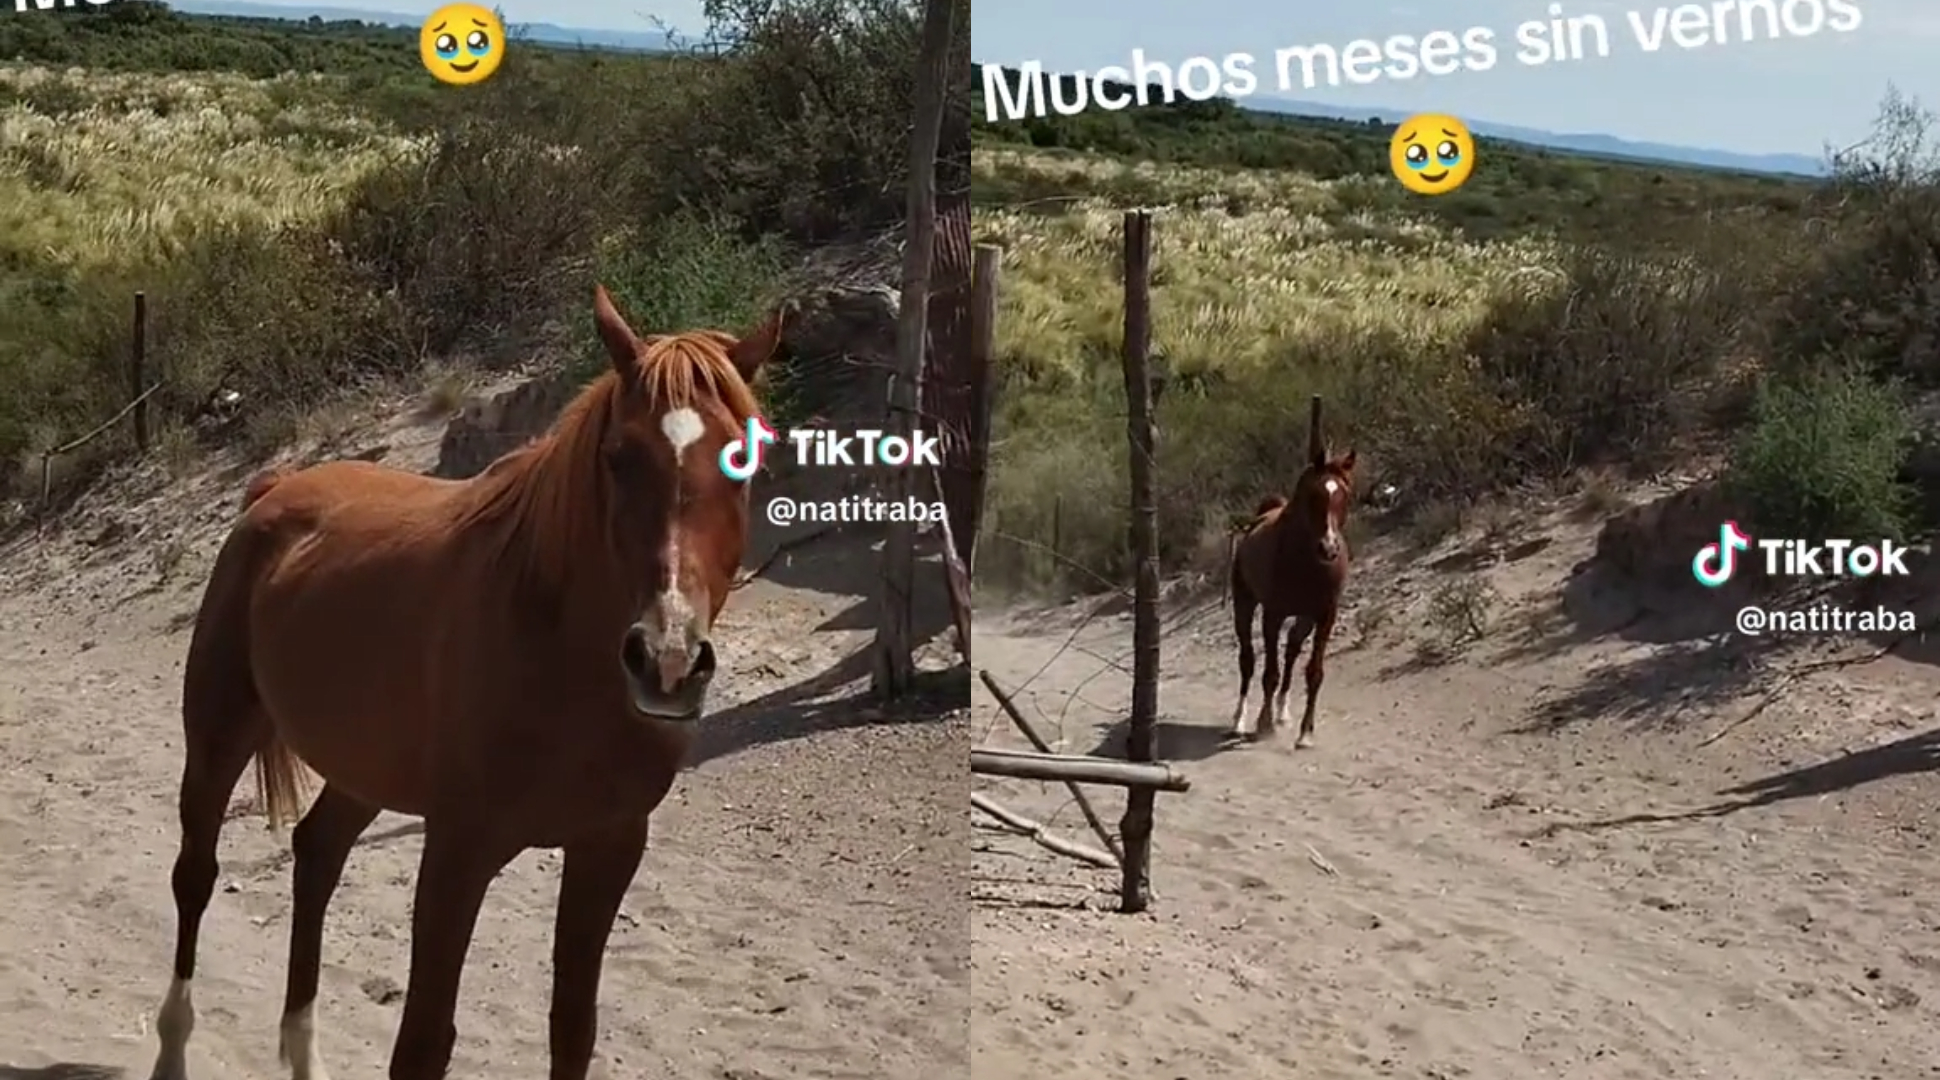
x,y
1602,314
1460,613
1821,455
309,213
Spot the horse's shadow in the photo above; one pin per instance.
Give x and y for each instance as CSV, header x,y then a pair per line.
x,y
63,1070
1173,741
817,704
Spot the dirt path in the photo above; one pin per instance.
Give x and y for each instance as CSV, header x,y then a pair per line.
x,y
799,913
1435,893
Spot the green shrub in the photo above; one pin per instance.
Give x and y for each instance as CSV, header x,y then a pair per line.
x,y
1823,453
687,271
1591,361
806,133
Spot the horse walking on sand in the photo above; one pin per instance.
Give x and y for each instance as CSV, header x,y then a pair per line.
x,y
518,658
1292,563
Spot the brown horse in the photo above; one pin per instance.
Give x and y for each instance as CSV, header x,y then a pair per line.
x,y
519,659
1292,561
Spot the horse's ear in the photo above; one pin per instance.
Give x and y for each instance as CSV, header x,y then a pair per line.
x,y
622,347
1345,462
754,350
1316,446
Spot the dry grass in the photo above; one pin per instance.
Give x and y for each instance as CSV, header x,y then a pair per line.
x,y
107,168
1247,263
1456,365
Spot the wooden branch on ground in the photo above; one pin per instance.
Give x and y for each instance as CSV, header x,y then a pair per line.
x,y
1041,836
1137,775
1084,802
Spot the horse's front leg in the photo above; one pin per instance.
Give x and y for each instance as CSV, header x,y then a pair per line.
x,y
597,873
1296,638
1271,622
458,865
1316,673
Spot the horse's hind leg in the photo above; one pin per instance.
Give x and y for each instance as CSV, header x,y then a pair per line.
x,y
320,844
1316,672
1296,637
1244,606
223,727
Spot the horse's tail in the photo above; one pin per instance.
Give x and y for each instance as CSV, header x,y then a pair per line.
x,y
283,782
281,778
1270,504
259,486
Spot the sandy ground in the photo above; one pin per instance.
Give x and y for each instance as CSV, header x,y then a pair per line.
x,y
1593,845
799,913
1521,862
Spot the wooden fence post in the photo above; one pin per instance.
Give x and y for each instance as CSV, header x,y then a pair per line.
x,y
986,259
138,372
1136,826
894,672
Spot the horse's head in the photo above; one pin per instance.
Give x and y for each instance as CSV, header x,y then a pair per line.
x,y
678,523
1321,498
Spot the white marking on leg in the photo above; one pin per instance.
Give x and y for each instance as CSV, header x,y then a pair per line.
x,y
298,1045
1239,715
174,1023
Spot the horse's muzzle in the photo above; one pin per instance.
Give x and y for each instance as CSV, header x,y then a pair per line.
x,y
671,685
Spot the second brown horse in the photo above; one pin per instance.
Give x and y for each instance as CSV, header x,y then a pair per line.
x,y
1291,564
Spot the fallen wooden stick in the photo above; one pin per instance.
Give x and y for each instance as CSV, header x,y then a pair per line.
x,y
1077,793
1021,765
1039,835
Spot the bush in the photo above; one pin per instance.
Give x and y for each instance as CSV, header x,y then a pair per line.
x,y
1823,453
683,272
806,133
1589,364
1872,291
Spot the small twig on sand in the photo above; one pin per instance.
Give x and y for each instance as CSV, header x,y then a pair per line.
x,y
1320,862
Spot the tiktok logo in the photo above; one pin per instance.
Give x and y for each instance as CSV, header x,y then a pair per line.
x,y
1715,563
741,459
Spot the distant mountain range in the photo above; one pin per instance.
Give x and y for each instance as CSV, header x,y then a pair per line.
x,y
1603,146
544,33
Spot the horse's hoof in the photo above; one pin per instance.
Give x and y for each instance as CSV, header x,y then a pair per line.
x,y
1304,742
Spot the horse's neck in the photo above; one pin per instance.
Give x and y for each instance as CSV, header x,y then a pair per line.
x,y
542,537
1294,528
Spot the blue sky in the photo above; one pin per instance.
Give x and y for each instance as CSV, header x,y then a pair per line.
x,y
683,15
1784,95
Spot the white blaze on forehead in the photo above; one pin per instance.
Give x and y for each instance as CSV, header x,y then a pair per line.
x,y
1333,486
673,636
683,428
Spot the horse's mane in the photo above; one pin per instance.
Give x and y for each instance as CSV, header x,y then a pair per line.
x,y
544,506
